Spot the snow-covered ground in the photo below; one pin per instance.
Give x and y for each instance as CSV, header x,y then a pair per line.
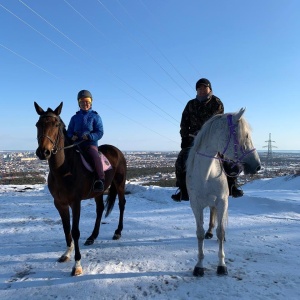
x,y
156,255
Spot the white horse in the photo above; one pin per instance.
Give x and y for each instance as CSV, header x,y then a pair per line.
x,y
228,135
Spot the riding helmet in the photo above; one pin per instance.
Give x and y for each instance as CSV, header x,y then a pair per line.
x,y
84,94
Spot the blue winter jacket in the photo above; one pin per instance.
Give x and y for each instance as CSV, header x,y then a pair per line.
x,y
87,123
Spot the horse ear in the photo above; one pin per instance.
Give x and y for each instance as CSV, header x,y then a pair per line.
x,y
38,109
57,111
240,114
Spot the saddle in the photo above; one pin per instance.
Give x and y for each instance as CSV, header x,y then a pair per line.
x,y
105,162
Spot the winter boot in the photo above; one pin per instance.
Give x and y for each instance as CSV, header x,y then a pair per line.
x,y
184,194
233,190
177,196
181,195
99,186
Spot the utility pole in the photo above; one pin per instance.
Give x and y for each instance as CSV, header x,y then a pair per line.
x,y
269,160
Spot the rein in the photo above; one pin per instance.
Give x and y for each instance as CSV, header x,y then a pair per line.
x,y
232,135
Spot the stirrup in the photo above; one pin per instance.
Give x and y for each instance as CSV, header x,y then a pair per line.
x,y
99,186
177,196
235,192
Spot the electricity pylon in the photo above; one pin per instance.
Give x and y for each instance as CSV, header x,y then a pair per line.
x,y
269,160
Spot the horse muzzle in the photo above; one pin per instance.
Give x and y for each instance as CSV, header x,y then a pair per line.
x,y
251,169
43,154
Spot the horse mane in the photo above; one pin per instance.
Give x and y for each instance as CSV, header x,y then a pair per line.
x,y
243,131
200,137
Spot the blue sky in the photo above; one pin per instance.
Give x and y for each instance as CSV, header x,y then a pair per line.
x,y
141,59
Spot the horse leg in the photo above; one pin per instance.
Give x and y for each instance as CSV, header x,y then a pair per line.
x,y
117,188
65,218
77,269
199,269
99,212
222,216
118,231
212,219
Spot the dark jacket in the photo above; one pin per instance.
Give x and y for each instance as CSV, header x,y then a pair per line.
x,y
195,114
87,123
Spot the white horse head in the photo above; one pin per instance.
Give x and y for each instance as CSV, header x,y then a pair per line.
x,y
229,135
224,137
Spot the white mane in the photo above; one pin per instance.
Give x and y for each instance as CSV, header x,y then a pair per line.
x,y
243,131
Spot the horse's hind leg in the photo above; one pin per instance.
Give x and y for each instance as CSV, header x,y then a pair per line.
x,y
120,189
199,269
99,212
118,231
212,220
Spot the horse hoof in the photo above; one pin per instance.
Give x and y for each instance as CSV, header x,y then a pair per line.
x,y
116,236
198,272
77,271
222,270
63,258
208,235
89,242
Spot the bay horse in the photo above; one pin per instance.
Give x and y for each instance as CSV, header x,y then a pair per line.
x,y
69,181
222,138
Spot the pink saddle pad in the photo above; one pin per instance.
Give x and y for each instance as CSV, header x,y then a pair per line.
x,y
105,162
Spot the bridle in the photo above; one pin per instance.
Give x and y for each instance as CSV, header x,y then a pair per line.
x,y
232,136
60,134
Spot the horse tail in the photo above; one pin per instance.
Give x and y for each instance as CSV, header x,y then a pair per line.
x,y
111,199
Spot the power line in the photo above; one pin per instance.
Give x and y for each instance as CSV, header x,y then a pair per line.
x,y
136,41
49,40
153,79
84,18
140,124
29,61
86,52
74,43
158,49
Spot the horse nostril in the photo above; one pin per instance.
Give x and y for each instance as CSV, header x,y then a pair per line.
x,y
38,153
47,153
258,168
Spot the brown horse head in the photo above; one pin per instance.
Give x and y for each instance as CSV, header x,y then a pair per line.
x,y
49,131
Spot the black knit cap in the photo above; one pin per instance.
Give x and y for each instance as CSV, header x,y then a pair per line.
x,y
84,94
203,81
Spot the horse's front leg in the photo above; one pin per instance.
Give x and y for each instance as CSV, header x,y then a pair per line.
x,y
199,268
222,218
65,218
77,269
212,220
99,212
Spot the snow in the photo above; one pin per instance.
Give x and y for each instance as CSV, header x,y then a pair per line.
x,y
156,255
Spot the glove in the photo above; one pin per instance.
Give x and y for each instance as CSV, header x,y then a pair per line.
x,y
85,137
185,142
74,138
